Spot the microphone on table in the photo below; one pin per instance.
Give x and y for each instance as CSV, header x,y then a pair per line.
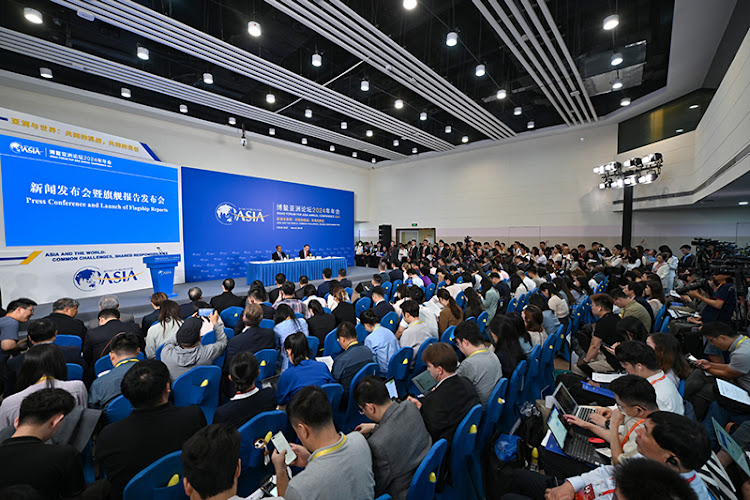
x,y
160,251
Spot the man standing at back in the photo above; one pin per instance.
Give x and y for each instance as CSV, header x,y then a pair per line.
x,y
19,311
63,315
227,299
481,366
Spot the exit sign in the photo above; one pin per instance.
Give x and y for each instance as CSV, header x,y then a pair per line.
x,y
413,224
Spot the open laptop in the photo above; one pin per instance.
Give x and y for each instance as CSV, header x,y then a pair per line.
x,y
271,382
574,445
730,446
424,382
566,404
390,384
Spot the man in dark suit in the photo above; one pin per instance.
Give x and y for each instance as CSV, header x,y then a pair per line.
x,y
252,338
98,340
398,439
278,254
348,363
227,299
688,259
300,293
413,251
195,294
305,252
343,280
380,307
447,404
41,331
63,316
396,273
324,287
273,295
426,250
393,254
110,302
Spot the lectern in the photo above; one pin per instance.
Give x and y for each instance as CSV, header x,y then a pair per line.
x,y
162,272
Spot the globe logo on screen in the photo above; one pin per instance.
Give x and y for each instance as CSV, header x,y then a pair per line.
x,y
19,148
226,213
87,279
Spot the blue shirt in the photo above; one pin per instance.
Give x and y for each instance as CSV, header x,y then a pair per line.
x,y
285,329
383,343
8,331
107,387
308,372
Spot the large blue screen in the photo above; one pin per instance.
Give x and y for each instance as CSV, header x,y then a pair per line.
x,y
54,195
229,220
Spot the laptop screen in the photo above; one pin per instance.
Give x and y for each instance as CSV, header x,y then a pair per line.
x,y
424,381
557,428
567,403
390,384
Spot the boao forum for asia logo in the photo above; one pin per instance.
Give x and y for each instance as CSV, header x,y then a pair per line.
x,y
227,213
19,148
88,279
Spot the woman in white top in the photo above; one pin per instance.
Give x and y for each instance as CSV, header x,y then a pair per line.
x,y
557,304
533,319
672,263
669,356
43,368
661,268
517,287
165,329
655,294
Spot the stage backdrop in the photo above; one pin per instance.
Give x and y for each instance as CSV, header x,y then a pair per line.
x,y
229,220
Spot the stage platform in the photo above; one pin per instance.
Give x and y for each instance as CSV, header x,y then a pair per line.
x,y
137,302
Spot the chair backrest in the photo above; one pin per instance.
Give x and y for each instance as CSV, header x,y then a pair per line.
x,y
448,335
461,299
75,371
199,386
659,317
299,315
440,285
511,305
267,323
471,319
512,396
327,310
681,389
117,409
482,320
425,478
390,321
157,355
665,324
349,292
268,304
352,416
387,287
464,444
161,480
362,333
398,366
460,279
334,392
363,304
492,413
532,372
231,316
430,291
104,363
209,338
261,426
314,343
267,362
419,365
73,340
331,346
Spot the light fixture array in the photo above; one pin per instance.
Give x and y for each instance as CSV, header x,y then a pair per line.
x,y
643,170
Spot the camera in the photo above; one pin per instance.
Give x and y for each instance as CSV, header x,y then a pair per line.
x,y
692,286
243,142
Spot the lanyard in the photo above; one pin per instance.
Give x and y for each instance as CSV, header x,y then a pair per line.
x,y
691,479
625,439
477,352
353,343
331,449
658,379
131,360
744,338
416,322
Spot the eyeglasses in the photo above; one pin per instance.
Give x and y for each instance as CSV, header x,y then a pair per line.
x,y
361,411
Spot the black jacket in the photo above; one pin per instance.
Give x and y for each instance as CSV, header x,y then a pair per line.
x,y
445,406
382,308
321,325
97,341
71,354
276,256
66,325
227,300
345,312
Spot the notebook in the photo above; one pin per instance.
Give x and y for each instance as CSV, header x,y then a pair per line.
x,y
390,384
424,382
730,446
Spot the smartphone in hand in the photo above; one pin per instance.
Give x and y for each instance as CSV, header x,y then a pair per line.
x,y
280,443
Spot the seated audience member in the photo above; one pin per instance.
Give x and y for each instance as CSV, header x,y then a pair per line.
x,y
413,278
637,358
481,367
247,400
343,280
398,439
98,340
53,470
40,331
185,351
304,282
211,463
343,311
630,307
672,440
643,479
450,400
110,302
123,355
451,314
428,311
550,323
287,297
533,320
669,356
43,368
152,317
720,306
474,305
335,465
636,400
63,316
195,294
155,427
253,338
259,296
417,331
631,328
381,341
170,320
380,306
227,299
634,291
354,358
320,323
654,293
597,359
506,344
302,370
490,298
19,311
286,324
555,302
324,287
275,294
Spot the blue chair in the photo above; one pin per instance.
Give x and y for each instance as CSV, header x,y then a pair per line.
x,y
463,447
659,317
440,285
75,371
199,386
73,340
390,321
334,392
512,397
547,362
350,292
268,304
209,338
158,351
104,364
430,291
419,365
331,346
461,299
362,333
532,373
299,315
425,478
363,304
231,316
387,287
314,343
471,319
117,409
482,321
267,323
327,310
448,335
460,279
326,297
492,414
352,417
511,305
253,471
384,496
398,368
522,302
267,363
665,324
162,480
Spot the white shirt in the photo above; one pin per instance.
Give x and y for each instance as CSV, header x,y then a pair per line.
x,y
667,396
529,283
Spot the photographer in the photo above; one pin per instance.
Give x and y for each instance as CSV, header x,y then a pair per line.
x,y
723,301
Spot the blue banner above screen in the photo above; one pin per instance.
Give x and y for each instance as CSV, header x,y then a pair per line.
x,y
54,195
230,220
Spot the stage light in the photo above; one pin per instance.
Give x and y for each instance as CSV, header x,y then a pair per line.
x,y
45,72
451,39
125,92
395,142
399,104
652,158
465,139
270,98
183,108
32,15
304,140
422,116
616,59
308,113
369,133
480,70
517,111
343,125
617,84
742,203
530,125
679,130
448,129
364,85
143,53
317,60
611,22
85,14
332,148
253,28
232,120
410,4
502,94
414,151
625,101
208,78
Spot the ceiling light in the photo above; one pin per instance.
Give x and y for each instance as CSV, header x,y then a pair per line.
x,y
616,59
617,84
410,4
183,108
34,16
448,129
308,113
743,203
530,124
85,14
45,72
395,142
270,98
317,60
125,92
422,116
502,94
354,154
253,28
343,125
451,39
332,148
611,22
372,161
208,78
625,101
271,131
414,151
369,133
364,85
143,53
517,111
232,120
679,130
399,104
304,140
480,70
465,139
694,106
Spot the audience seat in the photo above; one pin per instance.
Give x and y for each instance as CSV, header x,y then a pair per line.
x,y
104,364
398,368
390,321
482,321
533,373
73,340
231,316
448,335
511,305
335,393
267,364
487,430
314,343
299,315
199,386
268,304
461,486
430,291
349,292
664,328
512,397
362,333
547,361
387,287
157,355
267,323
331,346
210,338
75,371
659,317
327,310
254,471
461,300
425,478
117,409
363,304
352,417
440,285
162,480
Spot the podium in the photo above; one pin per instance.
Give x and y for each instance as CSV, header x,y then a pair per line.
x,y
162,272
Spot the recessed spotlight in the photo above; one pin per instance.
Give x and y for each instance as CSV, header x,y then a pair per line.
x,y
616,59
480,70
625,101
308,113
183,108
270,98
743,203
364,85
395,142
208,78
343,125
694,106
304,140
530,125
373,160
448,129
617,84
317,60
410,4
34,16
517,111
679,130
253,28
422,116
125,92
332,148
142,53
45,72
85,14
502,94
369,133
399,104
465,139
414,151
451,39
611,22
232,120
354,154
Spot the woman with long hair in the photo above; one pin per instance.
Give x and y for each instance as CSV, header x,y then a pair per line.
x,y
555,302
505,343
517,287
286,324
302,371
451,315
320,323
669,356
170,320
344,311
655,293
533,319
564,291
523,336
474,305
490,297
550,323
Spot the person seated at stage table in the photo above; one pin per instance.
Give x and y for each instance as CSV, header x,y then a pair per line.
x,y
227,299
64,312
110,302
320,323
305,253
278,254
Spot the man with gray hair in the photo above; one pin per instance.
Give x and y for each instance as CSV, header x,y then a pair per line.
x,y
64,312
110,302
195,294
